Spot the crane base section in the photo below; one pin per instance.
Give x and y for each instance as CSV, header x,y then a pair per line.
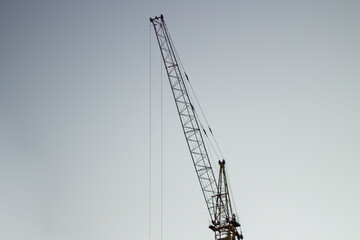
x,y
227,232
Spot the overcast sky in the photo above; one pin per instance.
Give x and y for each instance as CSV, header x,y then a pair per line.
x,y
277,80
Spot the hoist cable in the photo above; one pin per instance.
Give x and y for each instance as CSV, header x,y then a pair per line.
x,y
206,136
150,133
208,125
161,151
202,112
211,150
193,92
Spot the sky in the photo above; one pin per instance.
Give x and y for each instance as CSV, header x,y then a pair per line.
x,y
278,82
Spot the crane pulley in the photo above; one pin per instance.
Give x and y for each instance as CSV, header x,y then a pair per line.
x,y
216,192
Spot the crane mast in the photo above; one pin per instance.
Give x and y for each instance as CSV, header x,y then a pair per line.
x,y
216,194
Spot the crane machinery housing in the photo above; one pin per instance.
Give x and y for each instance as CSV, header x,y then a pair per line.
x,y
224,221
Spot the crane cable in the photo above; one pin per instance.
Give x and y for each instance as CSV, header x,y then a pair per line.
x,y
203,115
161,149
193,92
150,133
214,164
217,145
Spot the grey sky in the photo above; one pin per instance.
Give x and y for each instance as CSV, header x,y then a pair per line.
x,y
278,81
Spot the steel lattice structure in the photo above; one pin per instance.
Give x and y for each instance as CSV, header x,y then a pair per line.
x,y
216,196
225,222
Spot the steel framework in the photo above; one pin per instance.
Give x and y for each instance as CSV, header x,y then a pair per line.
x,y
216,194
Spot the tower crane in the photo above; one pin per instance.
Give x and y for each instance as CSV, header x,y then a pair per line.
x,y
224,221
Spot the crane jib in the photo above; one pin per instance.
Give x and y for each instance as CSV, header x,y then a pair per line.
x,y
216,194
